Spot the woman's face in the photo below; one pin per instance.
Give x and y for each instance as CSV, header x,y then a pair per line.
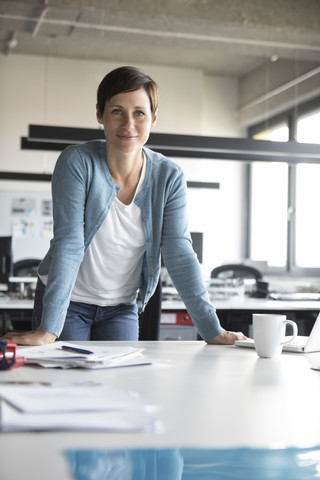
x,y
127,121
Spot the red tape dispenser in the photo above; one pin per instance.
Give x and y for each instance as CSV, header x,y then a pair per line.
x,y
8,357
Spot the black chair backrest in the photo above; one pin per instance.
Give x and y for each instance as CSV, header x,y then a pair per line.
x,y
236,271
26,268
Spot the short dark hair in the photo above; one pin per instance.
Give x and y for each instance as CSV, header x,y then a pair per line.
x,y
126,79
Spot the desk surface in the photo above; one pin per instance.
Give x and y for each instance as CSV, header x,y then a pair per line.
x,y
13,303
208,396
252,304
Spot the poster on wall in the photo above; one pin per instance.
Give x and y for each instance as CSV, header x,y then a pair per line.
x,y
26,215
22,227
23,211
23,206
28,221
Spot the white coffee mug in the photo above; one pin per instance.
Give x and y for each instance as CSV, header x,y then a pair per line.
x,y
269,333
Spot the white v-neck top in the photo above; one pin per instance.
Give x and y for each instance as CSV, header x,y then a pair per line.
x,y
110,271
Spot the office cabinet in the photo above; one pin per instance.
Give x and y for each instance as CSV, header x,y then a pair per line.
x,y
177,326
172,332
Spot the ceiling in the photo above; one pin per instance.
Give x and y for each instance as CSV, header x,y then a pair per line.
x,y
220,37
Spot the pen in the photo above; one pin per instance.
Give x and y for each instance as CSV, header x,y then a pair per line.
x,y
76,350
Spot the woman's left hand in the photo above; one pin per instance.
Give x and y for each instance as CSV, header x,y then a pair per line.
x,y
227,338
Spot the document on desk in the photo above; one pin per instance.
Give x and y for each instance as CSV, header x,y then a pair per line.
x,y
97,356
73,408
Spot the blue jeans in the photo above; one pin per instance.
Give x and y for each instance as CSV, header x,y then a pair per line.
x,y
90,322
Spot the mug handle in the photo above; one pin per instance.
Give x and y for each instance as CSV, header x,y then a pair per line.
x,y
295,331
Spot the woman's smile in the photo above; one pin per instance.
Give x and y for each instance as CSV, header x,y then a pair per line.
x,y
126,137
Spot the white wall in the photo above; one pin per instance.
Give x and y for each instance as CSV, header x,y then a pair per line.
x,y
220,107
55,91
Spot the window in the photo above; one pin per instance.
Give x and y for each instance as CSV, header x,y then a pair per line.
x,y
269,203
269,197
308,127
307,252
284,205
278,133
307,197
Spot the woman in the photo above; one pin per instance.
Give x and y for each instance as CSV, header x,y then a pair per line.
x,y
116,205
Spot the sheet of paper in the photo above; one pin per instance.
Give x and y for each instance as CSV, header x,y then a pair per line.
x,y
103,356
117,363
38,399
27,407
54,351
122,421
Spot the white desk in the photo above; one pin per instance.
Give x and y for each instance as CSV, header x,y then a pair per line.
x,y
13,303
235,314
226,309
243,304
207,396
251,304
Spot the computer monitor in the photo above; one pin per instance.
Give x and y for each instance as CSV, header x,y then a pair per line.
x,y
197,243
5,259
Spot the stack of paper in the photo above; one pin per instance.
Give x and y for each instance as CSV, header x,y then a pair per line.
x,y
54,355
72,408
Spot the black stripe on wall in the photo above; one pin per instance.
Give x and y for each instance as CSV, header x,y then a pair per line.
x,y
46,137
40,177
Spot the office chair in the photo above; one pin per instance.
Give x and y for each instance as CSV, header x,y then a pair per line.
x,y
26,268
245,273
236,271
149,320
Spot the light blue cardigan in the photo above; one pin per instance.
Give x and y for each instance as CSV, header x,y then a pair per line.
x,y
83,191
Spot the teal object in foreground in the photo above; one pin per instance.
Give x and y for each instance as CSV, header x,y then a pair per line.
x,y
195,464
